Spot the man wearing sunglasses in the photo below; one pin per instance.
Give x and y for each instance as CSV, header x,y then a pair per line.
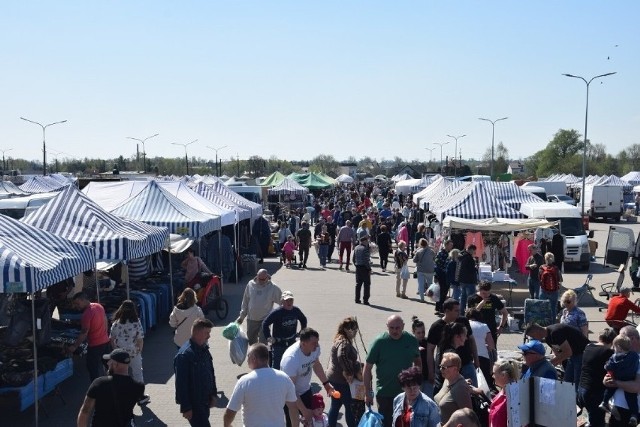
x,y
538,366
260,295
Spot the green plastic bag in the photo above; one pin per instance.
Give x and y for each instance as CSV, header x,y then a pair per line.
x,y
231,330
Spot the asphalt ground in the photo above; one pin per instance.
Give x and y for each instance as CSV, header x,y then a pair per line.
x,y
325,297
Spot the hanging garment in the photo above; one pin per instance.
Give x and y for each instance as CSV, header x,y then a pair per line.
x,y
522,254
474,238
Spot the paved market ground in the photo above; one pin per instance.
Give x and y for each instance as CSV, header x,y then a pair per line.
x,y
325,297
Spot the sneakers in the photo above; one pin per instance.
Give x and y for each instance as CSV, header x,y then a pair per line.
x,y
145,400
605,407
404,296
633,421
398,295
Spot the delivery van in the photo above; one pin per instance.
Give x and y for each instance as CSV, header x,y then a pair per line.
x,y
571,226
550,187
603,201
536,191
19,207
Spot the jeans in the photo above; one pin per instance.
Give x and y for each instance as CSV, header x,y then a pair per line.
x,y
591,400
467,289
95,363
534,287
553,298
455,292
573,369
444,291
323,250
304,256
422,278
468,371
345,399
200,416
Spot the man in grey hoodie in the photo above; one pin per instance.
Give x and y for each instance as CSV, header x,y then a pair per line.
x,y
257,302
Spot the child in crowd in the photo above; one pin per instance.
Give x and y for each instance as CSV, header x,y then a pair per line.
x,y
319,417
288,250
622,366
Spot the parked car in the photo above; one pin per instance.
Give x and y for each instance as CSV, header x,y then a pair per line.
x,y
556,198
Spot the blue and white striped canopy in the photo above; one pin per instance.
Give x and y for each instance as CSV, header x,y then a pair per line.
x,y
74,216
475,202
509,193
42,184
289,186
33,259
180,190
10,189
207,191
223,190
154,205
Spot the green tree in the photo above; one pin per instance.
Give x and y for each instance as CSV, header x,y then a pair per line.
x,y
324,163
500,158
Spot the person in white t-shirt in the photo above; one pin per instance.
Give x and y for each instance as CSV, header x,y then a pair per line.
x,y
297,362
484,342
261,393
620,413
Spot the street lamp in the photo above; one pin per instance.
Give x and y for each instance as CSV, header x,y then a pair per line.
x,y
4,164
586,119
430,150
44,144
455,153
144,151
493,134
186,158
441,144
55,155
218,169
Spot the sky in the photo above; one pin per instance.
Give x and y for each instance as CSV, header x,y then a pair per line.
x,y
296,79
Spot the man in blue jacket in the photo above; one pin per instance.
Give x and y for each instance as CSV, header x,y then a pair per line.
x,y
196,390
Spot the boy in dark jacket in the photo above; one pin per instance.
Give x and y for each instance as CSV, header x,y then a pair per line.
x,y
467,275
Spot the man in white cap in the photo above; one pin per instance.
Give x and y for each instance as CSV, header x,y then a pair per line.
x,y
285,327
111,398
362,261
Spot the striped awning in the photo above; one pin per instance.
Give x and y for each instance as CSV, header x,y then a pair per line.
x,y
223,190
475,202
9,188
207,191
75,217
180,190
33,259
288,186
154,205
509,193
43,184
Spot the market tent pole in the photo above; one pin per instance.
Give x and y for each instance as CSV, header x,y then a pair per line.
x,y
98,284
173,300
35,355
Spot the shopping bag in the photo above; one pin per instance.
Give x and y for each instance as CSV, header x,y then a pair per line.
x,y
482,382
370,419
231,330
238,348
404,272
357,389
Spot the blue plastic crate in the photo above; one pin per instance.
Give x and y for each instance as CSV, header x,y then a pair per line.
x,y
63,370
26,393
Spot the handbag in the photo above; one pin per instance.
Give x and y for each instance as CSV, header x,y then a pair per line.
x,y
415,274
357,390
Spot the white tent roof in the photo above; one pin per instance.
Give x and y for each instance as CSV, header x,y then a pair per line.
x,y
345,179
503,225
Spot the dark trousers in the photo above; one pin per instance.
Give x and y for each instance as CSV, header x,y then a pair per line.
x,y
345,246
619,417
304,255
306,399
444,291
363,277
590,400
200,416
384,258
277,350
95,363
385,408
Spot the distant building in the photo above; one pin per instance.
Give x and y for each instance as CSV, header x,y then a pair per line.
x,y
347,168
516,168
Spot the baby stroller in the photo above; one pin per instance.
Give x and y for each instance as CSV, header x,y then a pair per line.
x,y
210,297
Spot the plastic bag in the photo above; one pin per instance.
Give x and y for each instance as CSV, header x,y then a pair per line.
x,y
370,419
404,272
238,348
231,330
433,292
482,382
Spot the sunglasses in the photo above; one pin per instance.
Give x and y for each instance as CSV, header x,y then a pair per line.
x,y
445,366
567,301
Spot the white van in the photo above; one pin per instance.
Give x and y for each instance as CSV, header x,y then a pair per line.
x,y
536,191
550,187
603,201
571,227
19,207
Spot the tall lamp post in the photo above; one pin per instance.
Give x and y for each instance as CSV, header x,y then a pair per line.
x,y
493,134
441,144
4,164
44,144
586,120
144,151
218,169
455,153
186,158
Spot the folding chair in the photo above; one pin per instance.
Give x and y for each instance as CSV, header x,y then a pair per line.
x,y
585,289
537,311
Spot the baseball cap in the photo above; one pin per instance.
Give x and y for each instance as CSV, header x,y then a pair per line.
x,y
287,295
119,355
533,345
317,401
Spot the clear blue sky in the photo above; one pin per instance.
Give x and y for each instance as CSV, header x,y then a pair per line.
x,y
295,79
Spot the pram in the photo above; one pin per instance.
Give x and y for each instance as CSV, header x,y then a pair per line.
x,y
209,295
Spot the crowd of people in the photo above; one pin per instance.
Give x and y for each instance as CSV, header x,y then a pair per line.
x,y
431,376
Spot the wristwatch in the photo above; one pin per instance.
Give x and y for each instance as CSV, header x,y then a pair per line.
x,y
371,393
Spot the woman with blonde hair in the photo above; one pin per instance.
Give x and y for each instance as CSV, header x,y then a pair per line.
x,y
571,314
183,316
504,372
400,258
344,367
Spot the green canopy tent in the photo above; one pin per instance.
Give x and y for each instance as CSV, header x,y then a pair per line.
x,y
310,180
274,179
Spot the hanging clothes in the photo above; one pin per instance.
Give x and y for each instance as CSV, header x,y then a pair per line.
x,y
522,254
474,238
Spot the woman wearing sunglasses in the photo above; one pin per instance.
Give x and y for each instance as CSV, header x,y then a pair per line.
x,y
571,314
455,393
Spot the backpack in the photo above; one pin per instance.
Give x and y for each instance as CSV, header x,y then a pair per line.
x,y
549,278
